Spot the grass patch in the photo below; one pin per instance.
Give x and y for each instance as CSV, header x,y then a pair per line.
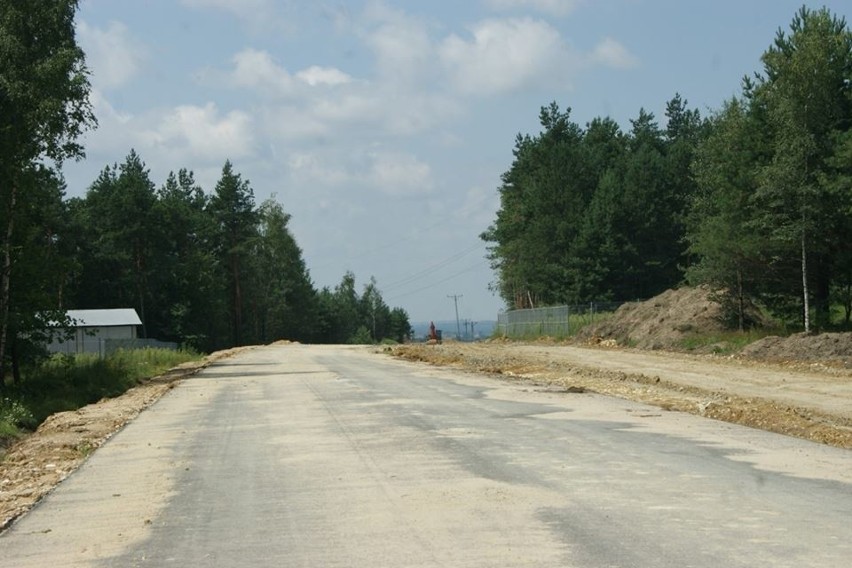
x,y
68,382
726,342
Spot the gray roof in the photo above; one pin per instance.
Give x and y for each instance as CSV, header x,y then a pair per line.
x,y
104,318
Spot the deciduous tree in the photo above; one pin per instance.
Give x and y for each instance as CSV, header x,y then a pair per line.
x,y
44,107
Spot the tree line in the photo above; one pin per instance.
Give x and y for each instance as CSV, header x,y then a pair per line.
x,y
754,200
211,270
206,269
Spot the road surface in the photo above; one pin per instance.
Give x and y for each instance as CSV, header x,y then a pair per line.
x,y
335,456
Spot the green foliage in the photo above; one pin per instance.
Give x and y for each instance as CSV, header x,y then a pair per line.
x,y
729,254
66,382
190,297
44,107
120,236
15,415
361,337
235,219
756,201
45,90
207,272
284,303
349,317
726,343
591,214
772,219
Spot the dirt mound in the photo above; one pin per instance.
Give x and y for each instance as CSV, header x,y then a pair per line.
x,y
663,321
826,348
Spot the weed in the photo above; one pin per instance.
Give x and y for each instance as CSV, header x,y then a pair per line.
x,y
14,413
726,342
68,382
85,448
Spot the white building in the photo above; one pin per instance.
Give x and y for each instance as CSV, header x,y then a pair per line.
x,y
92,328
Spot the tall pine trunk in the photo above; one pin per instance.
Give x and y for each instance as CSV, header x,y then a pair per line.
x,y
740,299
6,283
237,301
140,291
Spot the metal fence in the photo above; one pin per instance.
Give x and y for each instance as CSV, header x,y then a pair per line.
x,y
103,347
109,346
555,321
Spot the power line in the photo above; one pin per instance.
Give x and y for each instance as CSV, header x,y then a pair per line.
x,y
441,264
447,279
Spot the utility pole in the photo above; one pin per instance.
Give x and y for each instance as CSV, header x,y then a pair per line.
x,y
455,298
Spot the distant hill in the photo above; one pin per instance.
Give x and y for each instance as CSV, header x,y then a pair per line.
x,y
482,329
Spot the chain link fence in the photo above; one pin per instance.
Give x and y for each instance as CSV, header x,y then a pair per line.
x,y
554,321
104,346
109,346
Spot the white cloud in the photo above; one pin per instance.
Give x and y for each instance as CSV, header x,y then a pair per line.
x,y
200,132
503,55
383,109
392,173
106,113
112,54
346,107
256,69
315,75
291,122
611,53
553,7
307,167
339,15
399,174
414,113
401,43
198,137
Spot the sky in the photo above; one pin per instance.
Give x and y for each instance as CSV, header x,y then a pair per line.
x,y
383,126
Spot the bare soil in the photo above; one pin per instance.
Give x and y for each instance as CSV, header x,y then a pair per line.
x,y
826,348
811,401
665,321
34,465
799,386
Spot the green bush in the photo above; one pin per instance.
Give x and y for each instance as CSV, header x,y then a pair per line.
x,y
727,342
14,413
68,382
361,337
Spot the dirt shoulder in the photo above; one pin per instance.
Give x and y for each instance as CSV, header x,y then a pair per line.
x,y
810,401
34,465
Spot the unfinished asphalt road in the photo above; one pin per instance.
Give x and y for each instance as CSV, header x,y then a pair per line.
x,y
334,456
